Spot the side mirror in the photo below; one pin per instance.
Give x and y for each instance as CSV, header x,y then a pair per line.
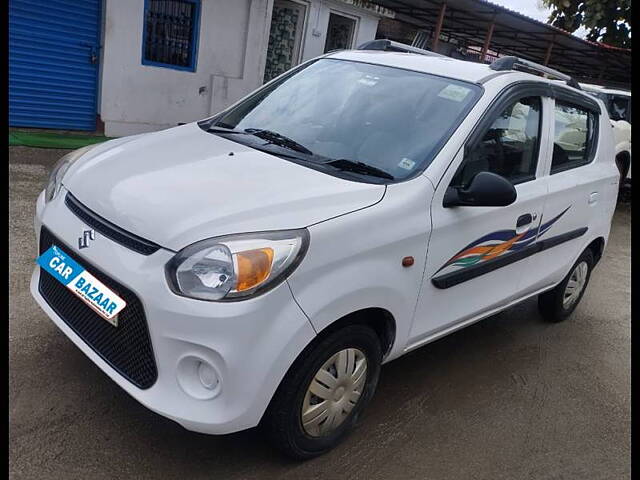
x,y
485,190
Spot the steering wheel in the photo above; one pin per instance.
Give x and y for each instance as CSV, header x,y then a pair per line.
x,y
498,162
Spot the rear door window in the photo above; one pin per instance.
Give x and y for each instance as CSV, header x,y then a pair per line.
x,y
620,108
574,137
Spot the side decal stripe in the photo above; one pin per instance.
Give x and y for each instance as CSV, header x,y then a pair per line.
x,y
454,278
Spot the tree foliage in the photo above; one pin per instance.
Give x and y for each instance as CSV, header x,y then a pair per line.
x,y
607,21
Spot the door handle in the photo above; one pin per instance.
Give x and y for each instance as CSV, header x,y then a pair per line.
x,y
593,198
524,220
93,56
93,51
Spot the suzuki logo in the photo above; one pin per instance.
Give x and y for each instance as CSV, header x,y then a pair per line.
x,y
83,241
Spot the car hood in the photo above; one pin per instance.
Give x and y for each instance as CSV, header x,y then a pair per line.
x,y
182,185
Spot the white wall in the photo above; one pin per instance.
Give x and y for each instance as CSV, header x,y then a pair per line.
x,y
138,98
232,46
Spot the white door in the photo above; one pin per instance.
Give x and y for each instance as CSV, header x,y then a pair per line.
x,y
475,254
581,187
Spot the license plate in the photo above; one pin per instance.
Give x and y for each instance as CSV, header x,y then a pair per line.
x,y
92,291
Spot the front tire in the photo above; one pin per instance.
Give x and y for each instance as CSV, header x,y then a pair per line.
x,y
557,304
322,396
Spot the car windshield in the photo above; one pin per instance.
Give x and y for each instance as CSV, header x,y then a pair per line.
x,y
363,119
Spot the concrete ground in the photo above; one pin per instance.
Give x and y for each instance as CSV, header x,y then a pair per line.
x,y
510,397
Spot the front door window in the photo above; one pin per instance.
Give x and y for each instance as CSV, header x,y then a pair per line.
x,y
509,147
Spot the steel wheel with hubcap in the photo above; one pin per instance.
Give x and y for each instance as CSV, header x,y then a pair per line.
x,y
558,303
334,391
324,392
575,285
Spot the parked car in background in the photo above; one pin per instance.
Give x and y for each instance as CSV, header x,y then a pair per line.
x,y
618,103
259,266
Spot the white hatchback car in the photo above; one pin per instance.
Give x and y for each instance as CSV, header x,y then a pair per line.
x,y
259,266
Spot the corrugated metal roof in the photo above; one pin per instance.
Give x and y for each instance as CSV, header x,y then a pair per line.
x,y
547,25
468,21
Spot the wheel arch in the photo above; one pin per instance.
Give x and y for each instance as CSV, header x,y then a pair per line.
x,y
625,158
597,248
379,319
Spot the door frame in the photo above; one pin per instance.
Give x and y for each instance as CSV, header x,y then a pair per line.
x,y
296,58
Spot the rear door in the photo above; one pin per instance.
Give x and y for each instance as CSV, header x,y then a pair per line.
x,y
475,257
582,179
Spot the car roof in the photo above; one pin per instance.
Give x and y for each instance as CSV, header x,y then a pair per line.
x,y
440,65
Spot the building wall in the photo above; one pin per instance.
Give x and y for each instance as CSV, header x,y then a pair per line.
x,y
138,98
232,46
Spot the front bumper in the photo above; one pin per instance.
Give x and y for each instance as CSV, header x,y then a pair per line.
x,y
249,344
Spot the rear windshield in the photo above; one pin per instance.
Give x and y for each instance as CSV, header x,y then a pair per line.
x,y
388,118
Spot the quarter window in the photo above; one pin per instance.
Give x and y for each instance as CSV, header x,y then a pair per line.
x,y
509,147
574,137
171,33
620,108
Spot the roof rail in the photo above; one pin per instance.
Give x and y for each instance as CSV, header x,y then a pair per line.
x,y
511,62
391,46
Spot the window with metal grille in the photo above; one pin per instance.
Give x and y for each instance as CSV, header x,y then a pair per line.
x,y
170,33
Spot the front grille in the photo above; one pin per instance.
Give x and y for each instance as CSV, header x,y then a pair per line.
x,y
108,229
127,347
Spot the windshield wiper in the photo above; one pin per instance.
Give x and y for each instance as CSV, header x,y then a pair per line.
x,y
278,139
270,136
359,167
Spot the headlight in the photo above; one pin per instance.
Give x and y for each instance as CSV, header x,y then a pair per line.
x,y
236,266
59,169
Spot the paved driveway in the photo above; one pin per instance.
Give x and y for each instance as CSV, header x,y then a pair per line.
x,y
507,398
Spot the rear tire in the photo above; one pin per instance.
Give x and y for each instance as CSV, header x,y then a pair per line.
x,y
557,304
343,398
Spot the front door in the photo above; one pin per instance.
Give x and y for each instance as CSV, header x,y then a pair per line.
x,y
53,63
474,261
